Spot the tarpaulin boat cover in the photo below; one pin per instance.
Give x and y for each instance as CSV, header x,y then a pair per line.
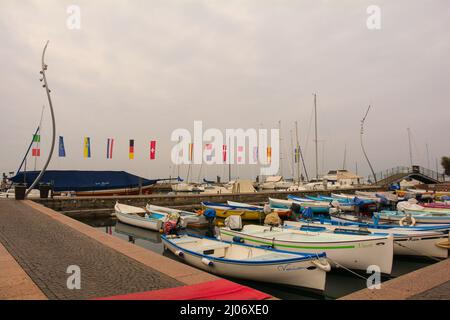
x,y
74,180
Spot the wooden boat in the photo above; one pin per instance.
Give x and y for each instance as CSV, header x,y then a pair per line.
x,y
316,206
188,219
436,205
138,217
249,262
419,217
282,213
352,197
408,242
225,210
354,252
413,208
280,203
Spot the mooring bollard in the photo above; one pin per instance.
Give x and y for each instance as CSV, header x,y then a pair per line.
x,y
19,191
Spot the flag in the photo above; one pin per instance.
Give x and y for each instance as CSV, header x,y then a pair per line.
x,y
269,154
109,148
191,151
255,154
61,149
36,138
209,152
224,153
240,158
152,150
87,147
36,152
131,152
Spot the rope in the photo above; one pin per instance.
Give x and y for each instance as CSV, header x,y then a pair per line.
x,y
416,251
347,269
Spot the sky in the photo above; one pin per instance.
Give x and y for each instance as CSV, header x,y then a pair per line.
x,y
141,69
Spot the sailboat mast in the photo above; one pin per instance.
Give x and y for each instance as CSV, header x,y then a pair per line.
x,y
428,157
292,155
409,143
297,152
345,157
315,134
280,148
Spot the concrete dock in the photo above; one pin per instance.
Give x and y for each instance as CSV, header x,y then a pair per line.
x,y
429,283
37,245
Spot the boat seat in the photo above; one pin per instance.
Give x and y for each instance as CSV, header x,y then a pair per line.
x,y
212,247
270,256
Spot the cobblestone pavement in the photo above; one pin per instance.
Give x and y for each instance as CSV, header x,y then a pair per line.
x,y
441,292
45,248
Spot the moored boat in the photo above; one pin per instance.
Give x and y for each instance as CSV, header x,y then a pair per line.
x,y
250,262
188,219
419,217
138,217
408,242
354,252
282,213
224,211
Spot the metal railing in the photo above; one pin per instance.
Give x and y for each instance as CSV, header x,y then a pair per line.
x,y
400,170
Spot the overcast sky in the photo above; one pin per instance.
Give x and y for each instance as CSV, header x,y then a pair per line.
x,y
140,69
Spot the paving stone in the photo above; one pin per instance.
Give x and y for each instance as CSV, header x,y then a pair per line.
x,y
44,248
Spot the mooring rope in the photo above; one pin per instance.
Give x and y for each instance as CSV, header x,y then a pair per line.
x,y
347,269
416,251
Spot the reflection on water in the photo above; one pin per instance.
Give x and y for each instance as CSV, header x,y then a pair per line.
x,y
339,282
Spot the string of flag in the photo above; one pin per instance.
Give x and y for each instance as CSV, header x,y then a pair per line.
x,y
110,143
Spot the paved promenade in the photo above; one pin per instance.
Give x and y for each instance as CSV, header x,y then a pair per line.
x,y
429,283
37,245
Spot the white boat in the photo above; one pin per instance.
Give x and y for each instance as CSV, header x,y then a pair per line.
x,y
188,219
412,207
280,203
182,187
419,217
408,242
249,262
354,252
351,197
139,217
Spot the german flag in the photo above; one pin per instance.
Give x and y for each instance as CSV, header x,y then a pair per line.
x,y
131,153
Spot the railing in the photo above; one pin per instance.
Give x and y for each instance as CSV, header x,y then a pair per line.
x,y
406,170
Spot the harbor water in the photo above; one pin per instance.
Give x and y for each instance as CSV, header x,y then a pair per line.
x,y
339,282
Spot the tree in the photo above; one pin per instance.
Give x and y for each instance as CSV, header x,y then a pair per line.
x,y
445,162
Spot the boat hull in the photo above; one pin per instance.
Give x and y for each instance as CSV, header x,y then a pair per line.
x,y
293,273
358,255
406,242
152,224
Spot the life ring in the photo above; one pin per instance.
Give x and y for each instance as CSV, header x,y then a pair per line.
x,y
325,267
404,223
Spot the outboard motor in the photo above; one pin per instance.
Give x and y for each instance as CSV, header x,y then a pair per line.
x,y
210,215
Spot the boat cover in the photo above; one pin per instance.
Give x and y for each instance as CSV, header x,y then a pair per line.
x,y
74,180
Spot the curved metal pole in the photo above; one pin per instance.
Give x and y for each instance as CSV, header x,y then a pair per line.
x,y
362,146
44,78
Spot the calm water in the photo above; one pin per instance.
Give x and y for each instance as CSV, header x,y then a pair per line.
x,y
339,282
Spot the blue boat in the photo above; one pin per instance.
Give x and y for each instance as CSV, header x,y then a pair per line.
x,y
120,182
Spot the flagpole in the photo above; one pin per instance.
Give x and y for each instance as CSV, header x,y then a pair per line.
x,y
44,78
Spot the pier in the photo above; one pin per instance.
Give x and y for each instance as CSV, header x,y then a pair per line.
x,y
38,245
